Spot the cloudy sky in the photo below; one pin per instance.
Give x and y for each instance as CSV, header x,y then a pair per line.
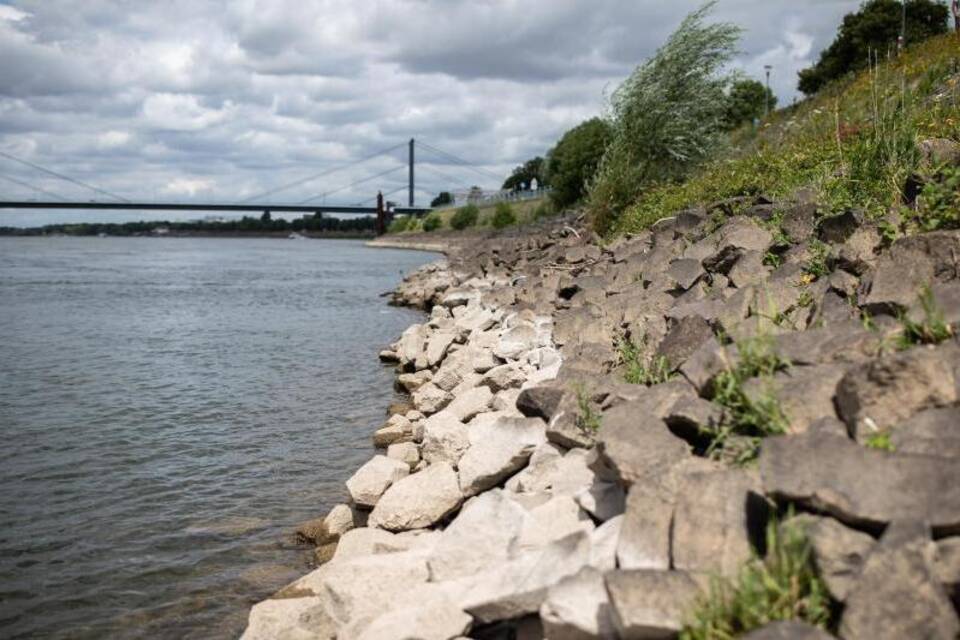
x,y
220,101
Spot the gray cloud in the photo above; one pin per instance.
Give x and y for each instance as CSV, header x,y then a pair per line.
x,y
221,100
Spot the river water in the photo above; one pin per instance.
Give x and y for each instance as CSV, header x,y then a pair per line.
x,y
169,410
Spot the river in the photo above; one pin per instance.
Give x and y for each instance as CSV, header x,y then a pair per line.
x,y
169,410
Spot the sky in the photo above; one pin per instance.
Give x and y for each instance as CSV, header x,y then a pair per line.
x,y
220,101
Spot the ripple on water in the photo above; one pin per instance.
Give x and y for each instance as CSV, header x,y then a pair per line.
x,y
169,410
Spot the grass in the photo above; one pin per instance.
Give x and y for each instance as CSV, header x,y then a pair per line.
x,y
880,441
525,211
853,144
818,264
932,329
588,419
783,585
748,418
636,371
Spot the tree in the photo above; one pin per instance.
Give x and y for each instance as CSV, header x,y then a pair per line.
x,y
874,28
574,159
444,197
668,117
523,176
747,101
265,217
465,217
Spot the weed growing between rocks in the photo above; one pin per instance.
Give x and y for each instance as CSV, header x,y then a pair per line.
x,y
817,266
636,371
588,419
932,329
748,418
939,204
880,441
784,585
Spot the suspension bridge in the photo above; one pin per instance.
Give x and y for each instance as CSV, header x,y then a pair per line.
x,y
384,180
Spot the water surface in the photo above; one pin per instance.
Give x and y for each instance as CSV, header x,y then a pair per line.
x,y
169,409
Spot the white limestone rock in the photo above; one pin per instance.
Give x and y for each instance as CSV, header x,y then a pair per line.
x,y
419,500
497,451
577,608
404,452
372,479
445,438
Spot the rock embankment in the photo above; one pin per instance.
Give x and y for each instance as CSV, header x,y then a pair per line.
x,y
595,433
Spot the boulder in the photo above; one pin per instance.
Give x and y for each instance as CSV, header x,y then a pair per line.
x,y
469,403
437,346
684,272
540,402
507,376
497,451
410,382
636,442
749,269
386,436
557,517
716,513
430,398
419,500
684,338
411,344
303,618
406,452
932,432
649,603
567,426
896,594
483,533
516,341
946,566
603,544
438,618
372,479
788,630
910,264
644,541
798,222
519,586
879,394
445,438
577,608
805,394
838,551
862,487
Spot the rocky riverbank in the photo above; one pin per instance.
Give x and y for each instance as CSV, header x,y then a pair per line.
x,y
600,436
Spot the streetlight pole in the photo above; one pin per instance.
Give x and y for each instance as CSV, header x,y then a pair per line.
x,y
902,40
766,96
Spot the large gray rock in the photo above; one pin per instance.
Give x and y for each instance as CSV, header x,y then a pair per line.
x,y
469,403
567,425
372,479
483,533
540,402
516,341
445,438
430,398
910,264
507,376
636,442
712,521
644,541
933,432
519,586
437,618
437,346
877,395
577,608
684,272
805,394
684,338
419,500
649,603
497,451
861,486
838,551
788,630
303,618
404,452
896,594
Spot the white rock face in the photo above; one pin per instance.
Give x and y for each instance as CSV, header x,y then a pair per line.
x,y
340,520
372,479
411,343
482,534
419,500
506,376
430,398
497,451
437,346
517,341
368,541
556,518
436,619
404,452
519,586
603,544
445,438
289,619
469,403
577,607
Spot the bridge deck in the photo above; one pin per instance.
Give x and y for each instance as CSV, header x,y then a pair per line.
x,y
171,206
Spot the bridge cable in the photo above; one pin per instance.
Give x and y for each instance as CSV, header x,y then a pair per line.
x,y
63,177
326,172
446,177
467,164
352,184
32,187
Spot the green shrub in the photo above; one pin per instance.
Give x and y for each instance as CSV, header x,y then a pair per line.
x,y
503,216
465,217
432,222
784,585
668,117
939,205
399,224
544,210
587,418
636,371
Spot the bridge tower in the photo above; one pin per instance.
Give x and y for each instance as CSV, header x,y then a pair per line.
x,y
410,181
